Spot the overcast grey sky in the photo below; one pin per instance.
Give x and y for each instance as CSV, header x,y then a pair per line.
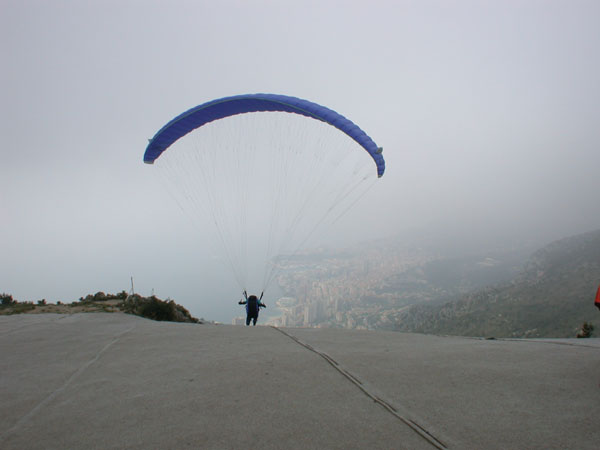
x,y
487,111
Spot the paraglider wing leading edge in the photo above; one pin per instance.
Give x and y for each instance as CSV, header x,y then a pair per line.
x,y
239,104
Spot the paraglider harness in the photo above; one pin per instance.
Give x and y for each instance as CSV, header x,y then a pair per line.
x,y
253,305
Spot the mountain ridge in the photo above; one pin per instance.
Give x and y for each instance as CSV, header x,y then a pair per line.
x,y
551,297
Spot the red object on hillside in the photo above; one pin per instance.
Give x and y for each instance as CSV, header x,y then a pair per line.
x,y
597,301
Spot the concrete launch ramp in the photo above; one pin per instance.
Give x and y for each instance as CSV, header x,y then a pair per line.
x,y
118,381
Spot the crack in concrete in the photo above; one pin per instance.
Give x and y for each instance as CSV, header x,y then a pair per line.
x,y
420,430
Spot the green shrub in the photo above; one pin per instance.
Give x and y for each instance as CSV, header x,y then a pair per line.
x,y
156,309
99,297
586,330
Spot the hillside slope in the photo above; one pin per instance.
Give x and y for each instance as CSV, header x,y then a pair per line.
x,y
551,297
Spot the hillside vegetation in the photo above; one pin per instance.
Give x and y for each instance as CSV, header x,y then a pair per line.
x,y
551,297
148,307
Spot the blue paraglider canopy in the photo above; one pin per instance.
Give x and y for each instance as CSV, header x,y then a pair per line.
x,y
239,104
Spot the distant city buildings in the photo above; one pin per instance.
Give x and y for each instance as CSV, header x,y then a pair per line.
x,y
345,290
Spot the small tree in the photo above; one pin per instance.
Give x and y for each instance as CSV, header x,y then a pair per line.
x,y
7,299
586,330
156,309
